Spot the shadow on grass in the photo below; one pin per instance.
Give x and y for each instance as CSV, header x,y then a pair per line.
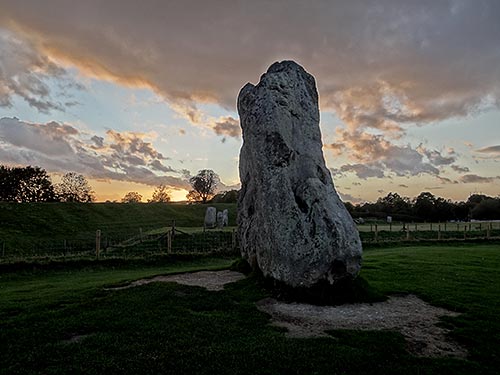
x,y
347,290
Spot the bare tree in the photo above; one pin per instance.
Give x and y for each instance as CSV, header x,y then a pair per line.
x,y
160,195
204,185
74,188
132,197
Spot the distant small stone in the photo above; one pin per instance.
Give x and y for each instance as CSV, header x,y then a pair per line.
x,y
210,217
220,219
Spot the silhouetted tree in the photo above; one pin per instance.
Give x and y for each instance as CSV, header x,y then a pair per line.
x,y
429,208
204,185
74,188
423,206
393,203
230,196
160,195
25,184
132,197
444,209
486,209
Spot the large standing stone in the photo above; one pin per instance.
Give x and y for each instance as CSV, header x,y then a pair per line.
x,y
291,223
225,217
210,217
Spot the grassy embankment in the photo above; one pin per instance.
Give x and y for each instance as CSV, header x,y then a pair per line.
x,y
65,230
60,322
31,228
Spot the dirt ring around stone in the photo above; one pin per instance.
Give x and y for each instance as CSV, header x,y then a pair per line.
x,y
415,319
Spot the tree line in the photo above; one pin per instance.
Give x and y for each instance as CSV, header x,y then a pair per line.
x,y
428,207
33,184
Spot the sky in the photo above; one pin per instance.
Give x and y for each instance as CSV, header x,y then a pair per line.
x,y
134,94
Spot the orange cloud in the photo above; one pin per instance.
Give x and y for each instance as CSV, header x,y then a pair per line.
x,y
372,69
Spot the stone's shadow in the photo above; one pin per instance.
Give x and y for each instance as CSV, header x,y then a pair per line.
x,y
346,290
322,293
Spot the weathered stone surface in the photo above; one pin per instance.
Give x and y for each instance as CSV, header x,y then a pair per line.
x,y
210,217
225,217
291,223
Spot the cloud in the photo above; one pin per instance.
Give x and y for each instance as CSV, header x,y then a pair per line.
x,y
446,180
490,150
403,186
345,197
460,169
61,148
474,178
227,126
361,170
375,156
129,143
380,65
24,73
436,157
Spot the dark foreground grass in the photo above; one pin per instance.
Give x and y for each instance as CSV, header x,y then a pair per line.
x,y
64,322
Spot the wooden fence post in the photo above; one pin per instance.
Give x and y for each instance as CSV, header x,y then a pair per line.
x,y
408,233
376,233
169,242
233,240
488,228
140,234
465,232
97,243
439,232
3,249
173,228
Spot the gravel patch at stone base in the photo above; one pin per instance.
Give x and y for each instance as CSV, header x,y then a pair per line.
x,y
211,280
414,318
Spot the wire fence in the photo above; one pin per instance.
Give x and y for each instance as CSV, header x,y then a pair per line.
x,y
397,232
139,242
134,243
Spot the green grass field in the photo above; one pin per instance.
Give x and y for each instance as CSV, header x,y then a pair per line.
x,y
65,219
63,321
37,229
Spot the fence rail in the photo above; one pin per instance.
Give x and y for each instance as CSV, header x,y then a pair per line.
x,y
142,242
428,231
102,245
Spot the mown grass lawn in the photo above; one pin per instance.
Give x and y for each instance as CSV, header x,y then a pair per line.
x,y
64,322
